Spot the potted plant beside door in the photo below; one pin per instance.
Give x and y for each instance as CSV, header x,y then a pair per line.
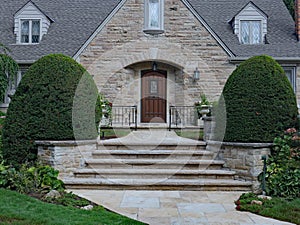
x,y
203,108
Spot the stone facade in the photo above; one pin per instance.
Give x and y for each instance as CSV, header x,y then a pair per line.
x,y
121,50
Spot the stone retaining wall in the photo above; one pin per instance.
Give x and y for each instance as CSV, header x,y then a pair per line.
x,y
244,158
65,156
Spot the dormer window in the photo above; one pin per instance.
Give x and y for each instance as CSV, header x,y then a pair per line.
x,y
250,25
154,16
31,24
250,32
30,31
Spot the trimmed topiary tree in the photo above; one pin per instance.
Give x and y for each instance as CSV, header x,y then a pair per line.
x,y
259,101
56,100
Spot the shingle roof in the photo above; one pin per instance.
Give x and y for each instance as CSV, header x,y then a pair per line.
x,y
281,28
76,20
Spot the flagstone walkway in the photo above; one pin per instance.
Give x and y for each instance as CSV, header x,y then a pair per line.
x,y
176,207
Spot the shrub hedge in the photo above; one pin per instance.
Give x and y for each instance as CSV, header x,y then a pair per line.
x,y
56,100
259,101
283,166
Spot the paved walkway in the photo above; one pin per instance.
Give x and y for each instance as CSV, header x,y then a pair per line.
x,y
176,207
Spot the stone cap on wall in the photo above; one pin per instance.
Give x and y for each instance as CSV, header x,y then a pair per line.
x,y
241,144
66,142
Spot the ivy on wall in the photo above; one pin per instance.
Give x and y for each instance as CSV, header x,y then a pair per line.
x,y
8,69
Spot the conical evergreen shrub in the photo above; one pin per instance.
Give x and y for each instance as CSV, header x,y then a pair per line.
x,y
259,101
56,100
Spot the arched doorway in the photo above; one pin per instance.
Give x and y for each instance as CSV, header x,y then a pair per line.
x,y
154,96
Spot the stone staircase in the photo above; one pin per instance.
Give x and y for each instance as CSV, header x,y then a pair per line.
x,y
154,160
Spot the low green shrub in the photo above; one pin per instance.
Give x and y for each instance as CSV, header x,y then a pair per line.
x,y
3,171
68,199
47,177
283,167
30,178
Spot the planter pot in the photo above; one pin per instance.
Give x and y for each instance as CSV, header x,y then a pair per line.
x,y
205,109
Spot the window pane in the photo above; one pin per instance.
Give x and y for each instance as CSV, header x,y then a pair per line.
x,y
289,72
25,31
35,31
154,13
256,35
245,32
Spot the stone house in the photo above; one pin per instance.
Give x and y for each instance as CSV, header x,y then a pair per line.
x,y
153,54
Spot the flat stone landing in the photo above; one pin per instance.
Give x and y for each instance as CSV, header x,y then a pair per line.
x,y
151,137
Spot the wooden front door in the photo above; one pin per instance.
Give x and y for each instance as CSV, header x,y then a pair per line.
x,y
154,96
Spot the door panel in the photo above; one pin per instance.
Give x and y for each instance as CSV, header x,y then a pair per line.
x,y
154,97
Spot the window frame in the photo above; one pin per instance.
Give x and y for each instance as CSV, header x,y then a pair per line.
x,y
160,28
30,31
250,33
293,80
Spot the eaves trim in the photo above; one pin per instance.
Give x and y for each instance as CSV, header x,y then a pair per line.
x,y
237,60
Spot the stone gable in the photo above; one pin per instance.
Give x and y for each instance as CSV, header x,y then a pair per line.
x,y
121,50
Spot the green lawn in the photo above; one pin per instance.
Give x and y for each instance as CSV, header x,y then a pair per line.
x,y
283,210
20,209
277,208
192,134
115,132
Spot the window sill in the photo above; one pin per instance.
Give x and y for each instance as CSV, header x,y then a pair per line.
x,y
153,31
28,43
252,44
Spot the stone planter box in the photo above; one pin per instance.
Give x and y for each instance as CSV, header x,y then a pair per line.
x,y
243,158
65,156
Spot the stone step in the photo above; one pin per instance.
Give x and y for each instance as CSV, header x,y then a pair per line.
x,y
154,173
146,154
153,163
150,146
158,184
